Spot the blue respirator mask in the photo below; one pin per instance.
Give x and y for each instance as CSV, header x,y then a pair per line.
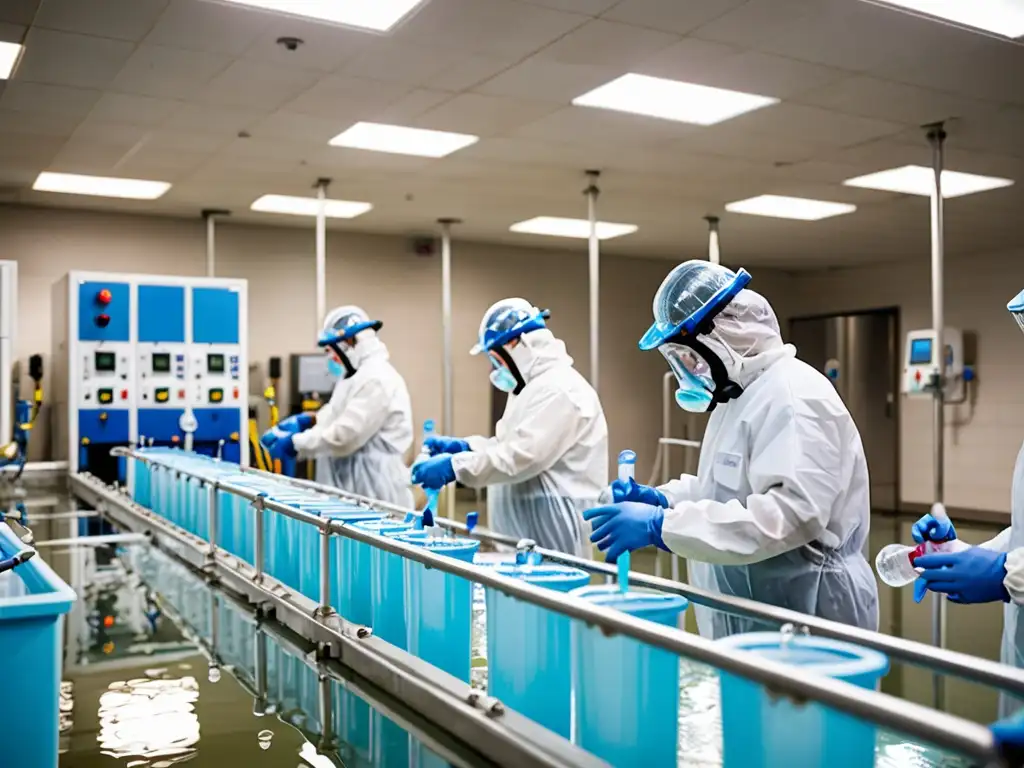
x,y
335,369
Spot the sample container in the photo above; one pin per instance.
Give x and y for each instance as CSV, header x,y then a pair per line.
x,y
627,692
439,606
529,648
759,731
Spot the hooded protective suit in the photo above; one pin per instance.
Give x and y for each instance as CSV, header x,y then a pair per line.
x,y
549,458
779,509
361,435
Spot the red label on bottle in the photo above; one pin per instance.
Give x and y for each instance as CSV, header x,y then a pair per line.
x,y
919,550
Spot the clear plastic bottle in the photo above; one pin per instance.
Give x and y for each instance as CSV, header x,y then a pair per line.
x,y
895,562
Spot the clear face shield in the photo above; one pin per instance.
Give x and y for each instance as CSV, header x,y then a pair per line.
x,y
501,377
693,373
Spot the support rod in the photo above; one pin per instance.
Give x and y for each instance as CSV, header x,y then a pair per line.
x,y
447,363
321,252
936,138
714,254
594,257
210,217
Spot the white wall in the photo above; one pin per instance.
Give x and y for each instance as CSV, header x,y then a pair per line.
x,y
382,275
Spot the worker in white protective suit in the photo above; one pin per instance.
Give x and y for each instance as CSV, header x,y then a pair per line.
x,y
360,436
779,510
548,460
990,572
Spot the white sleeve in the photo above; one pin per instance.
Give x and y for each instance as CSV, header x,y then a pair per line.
x,y
686,488
525,449
1014,579
1000,543
795,473
346,432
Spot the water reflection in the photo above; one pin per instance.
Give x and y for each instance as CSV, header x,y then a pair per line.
x,y
153,720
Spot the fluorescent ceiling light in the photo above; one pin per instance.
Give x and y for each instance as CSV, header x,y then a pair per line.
x,y
9,54
377,15
781,207
1001,17
557,227
100,186
919,180
400,140
309,206
671,99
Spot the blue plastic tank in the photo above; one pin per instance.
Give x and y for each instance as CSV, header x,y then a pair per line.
x,y
309,544
627,692
439,606
33,601
352,590
529,649
387,593
760,731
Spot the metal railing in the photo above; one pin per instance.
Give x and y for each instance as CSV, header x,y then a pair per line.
x,y
939,728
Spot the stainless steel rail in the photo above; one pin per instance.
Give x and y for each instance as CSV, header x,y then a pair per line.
x,y
938,728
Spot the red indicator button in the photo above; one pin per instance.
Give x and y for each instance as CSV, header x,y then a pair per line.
x,y
103,320
234,393
181,394
104,297
917,376
124,394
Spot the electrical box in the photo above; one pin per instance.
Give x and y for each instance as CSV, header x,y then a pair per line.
x,y
921,364
142,358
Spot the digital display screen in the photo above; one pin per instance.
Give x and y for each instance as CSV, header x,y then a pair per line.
x,y
215,363
106,362
920,351
161,363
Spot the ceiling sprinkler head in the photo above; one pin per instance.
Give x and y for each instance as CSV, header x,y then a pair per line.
x,y
291,43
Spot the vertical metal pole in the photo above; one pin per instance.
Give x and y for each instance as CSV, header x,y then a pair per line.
x,y
714,254
212,500
321,251
325,572
594,254
936,137
447,378
260,705
209,216
326,716
258,553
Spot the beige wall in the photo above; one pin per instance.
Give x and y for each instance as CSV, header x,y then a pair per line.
x,y
982,436
382,275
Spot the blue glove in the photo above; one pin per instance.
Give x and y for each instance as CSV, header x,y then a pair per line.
x,y
436,444
1008,736
278,443
300,422
930,529
974,575
625,526
434,473
631,490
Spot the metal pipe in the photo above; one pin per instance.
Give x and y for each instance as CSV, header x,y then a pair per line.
x,y
260,678
677,441
714,254
258,504
93,541
981,671
594,259
321,252
936,137
447,377
325,572
209,216
211,504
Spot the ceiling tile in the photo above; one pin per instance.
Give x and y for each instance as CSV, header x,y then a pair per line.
x,y
325,47
584,124
997,130
607,44
468,72
18,11
488,27
285,126
92,155
483,115
215,121
346,98
121,134
61,58
259,86
185,141
671,15
12,33
121,19
44,124
150,162
399,62
169,73
539,80
813,125
732,141
28,149
756,21
134,110
586,7
213,27
55,99
410,106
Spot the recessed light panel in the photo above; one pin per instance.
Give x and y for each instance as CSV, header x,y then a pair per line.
x,y
9,55
399,140
780,207
578,228
920,180
100,186
376,15
309,206
1000,17
671,100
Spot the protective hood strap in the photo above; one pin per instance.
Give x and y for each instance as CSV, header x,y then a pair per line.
x,y
725,388
504,355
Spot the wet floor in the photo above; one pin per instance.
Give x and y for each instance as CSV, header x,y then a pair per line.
x,y
140,690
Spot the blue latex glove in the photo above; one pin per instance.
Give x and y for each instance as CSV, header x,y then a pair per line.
x,y
930,529
437,444
300,422
631,490
625,526
278,443
974,575
1008,736
434,473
